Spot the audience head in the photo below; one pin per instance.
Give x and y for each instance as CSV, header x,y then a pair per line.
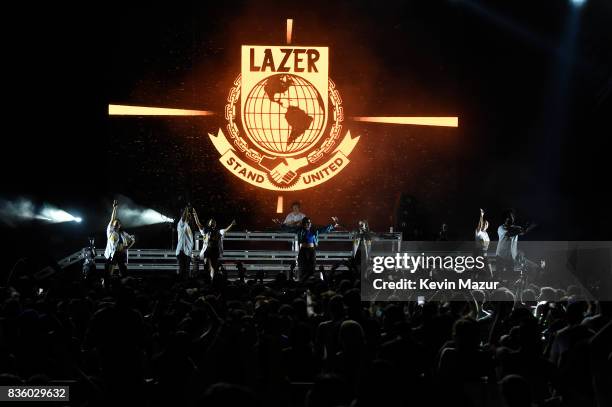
x,y
575,312
336,307
466,334
351,336
515,391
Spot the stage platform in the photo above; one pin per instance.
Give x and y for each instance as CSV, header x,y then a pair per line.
x,y
267,251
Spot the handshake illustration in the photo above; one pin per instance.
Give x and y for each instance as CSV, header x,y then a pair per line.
x,y
286,171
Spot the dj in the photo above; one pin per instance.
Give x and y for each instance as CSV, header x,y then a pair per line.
x,y
293,219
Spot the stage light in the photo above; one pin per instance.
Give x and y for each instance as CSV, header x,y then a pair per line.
x,y
141,217
414,120
55,215
125,110
289,30
578,3
134,215
24,209
279,204
151,216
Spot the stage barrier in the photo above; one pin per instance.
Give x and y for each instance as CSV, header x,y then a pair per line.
x,y
268,251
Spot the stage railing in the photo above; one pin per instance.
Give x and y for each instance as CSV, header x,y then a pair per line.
x,y
252,249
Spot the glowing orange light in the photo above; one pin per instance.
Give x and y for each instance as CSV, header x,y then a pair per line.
x,y
289,30
125,110
287,156
419,121
279,204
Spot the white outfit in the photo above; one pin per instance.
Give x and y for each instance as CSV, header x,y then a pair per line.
x,y
507,247
185,238
113,243
482,240
293,217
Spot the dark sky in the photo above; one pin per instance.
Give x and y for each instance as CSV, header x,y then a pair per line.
x,y
530,82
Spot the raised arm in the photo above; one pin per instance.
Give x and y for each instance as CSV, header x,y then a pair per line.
x,y
114,213
197,220
227,229
480,226
330,227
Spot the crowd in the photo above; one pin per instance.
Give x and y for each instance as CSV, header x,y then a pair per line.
x,y
312,343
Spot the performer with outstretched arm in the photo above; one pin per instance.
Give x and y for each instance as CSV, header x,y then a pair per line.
x,y
481,234
184,245
482,241
117,244
308,239
212,245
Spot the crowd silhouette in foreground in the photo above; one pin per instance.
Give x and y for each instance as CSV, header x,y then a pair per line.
x,y
314,343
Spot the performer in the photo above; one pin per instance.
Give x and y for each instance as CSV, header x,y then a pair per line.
x,y
184,245
117,245
293,219
443,233
482,240
362,244
481,234
308,239
89,260
212,245
507,247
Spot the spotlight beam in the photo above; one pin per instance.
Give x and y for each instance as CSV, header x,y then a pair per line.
x,y
127,110
450,121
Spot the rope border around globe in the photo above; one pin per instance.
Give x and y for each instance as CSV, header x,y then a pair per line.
x,y
319,149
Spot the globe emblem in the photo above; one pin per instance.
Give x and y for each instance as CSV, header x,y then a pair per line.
x,y
284,114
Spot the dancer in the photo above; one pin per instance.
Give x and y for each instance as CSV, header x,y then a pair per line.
x,y
481,234
89,260
507,247
117,245
308,239
443,233
362,244
482,240
212,245
184,246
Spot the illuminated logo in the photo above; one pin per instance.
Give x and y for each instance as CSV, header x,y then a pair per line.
x,y
284,120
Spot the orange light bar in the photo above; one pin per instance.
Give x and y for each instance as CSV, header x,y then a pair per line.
x,y
279,204
289,30
419,121
125,110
